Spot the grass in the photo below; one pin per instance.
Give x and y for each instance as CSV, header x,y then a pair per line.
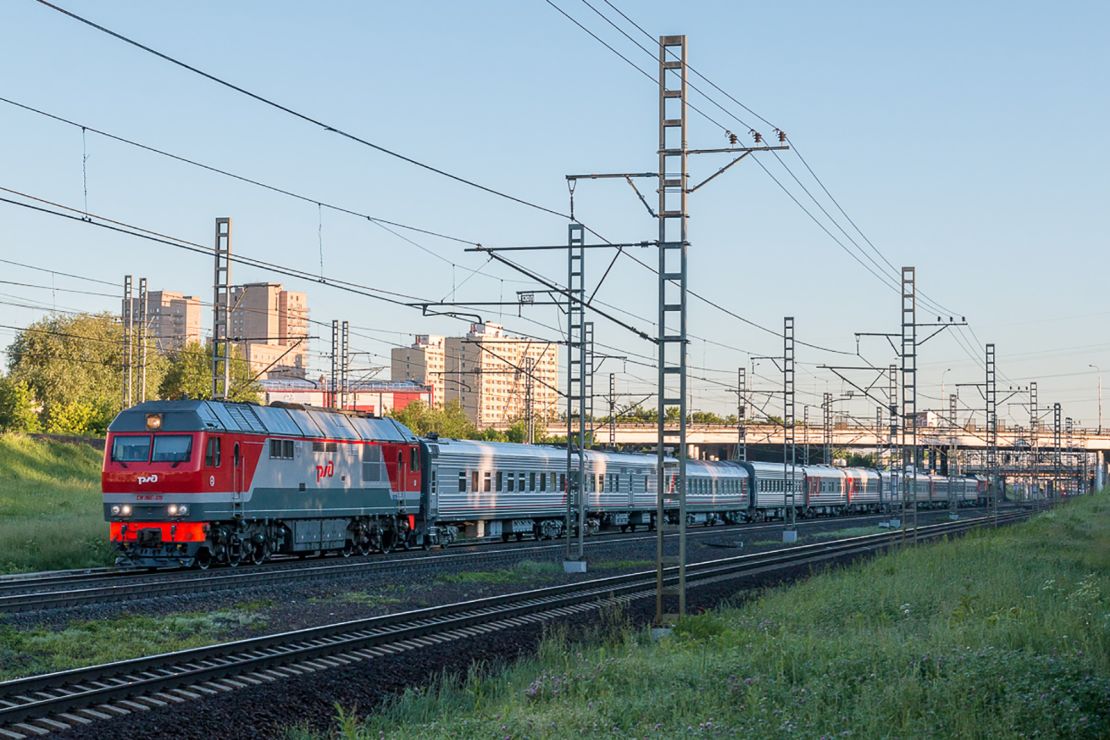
x,y
50,506
996,634
362,597
83,643
622,564
839,534
523,571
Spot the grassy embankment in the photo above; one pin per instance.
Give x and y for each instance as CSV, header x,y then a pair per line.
x,y
995,634
50,512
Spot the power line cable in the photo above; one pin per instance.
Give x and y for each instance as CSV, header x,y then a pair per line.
x,y
365,142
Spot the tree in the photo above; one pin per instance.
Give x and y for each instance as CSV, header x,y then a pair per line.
x,y
19,412
447,421
190,375
72,367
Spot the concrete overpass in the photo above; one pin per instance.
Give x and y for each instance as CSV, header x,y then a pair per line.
x,y
719,441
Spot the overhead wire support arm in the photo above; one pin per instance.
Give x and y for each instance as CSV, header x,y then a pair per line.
x,y
566,292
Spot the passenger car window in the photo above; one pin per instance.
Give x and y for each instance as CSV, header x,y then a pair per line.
x,y
172,448
131,449
462,482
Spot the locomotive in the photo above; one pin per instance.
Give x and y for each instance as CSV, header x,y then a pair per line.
x,y
193,482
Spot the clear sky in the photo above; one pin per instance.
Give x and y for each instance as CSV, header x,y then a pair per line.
x,y
966,139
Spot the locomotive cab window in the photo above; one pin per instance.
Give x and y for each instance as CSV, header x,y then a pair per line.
x,y
131,449
212,453
414,460
172,448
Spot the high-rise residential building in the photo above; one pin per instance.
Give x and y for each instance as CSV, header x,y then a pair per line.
x,y
487,373
172,319
422,363
269,326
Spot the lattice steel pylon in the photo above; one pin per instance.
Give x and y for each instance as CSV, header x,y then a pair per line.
x,y
741,413
991,395
142,339
789,450
126,318
612,410
672,217
577,387
826,440
1069,445
221,311
953,454
1056,455
892,401
333,378
909,398
591,369
1034,445
344,363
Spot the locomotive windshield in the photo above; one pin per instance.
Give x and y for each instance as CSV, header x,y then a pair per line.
x,y
131,449
172,448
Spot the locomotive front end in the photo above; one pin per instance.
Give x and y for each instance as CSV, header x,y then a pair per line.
x,y
151,485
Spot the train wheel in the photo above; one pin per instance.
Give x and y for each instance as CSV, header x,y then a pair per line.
x,y
259,554
348,549
519,536
624,528
203,559
364,544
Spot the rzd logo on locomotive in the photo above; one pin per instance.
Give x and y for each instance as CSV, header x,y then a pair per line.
x,y
325,471
144,479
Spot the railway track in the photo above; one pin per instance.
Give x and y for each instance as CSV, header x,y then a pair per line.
x,y
68,589
38,705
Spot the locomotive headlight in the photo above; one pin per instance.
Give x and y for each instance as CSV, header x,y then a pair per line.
x,y
182,510
115,510
125,510
172,509
153,422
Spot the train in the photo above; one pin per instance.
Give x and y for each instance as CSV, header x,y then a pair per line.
x,y
192,483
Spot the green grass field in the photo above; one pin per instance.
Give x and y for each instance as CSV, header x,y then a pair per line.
x,y
996,634
50,512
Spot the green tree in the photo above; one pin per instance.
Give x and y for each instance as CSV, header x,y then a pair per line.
x,y
190,375
19,411
446,421
74,363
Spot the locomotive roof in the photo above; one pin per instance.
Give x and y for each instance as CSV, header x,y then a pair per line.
x,y
225,416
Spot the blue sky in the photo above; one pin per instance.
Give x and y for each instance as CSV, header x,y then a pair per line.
x,y
962,138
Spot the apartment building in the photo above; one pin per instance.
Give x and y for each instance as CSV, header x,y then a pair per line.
x,y
486,371
422,363
172,319
269,326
